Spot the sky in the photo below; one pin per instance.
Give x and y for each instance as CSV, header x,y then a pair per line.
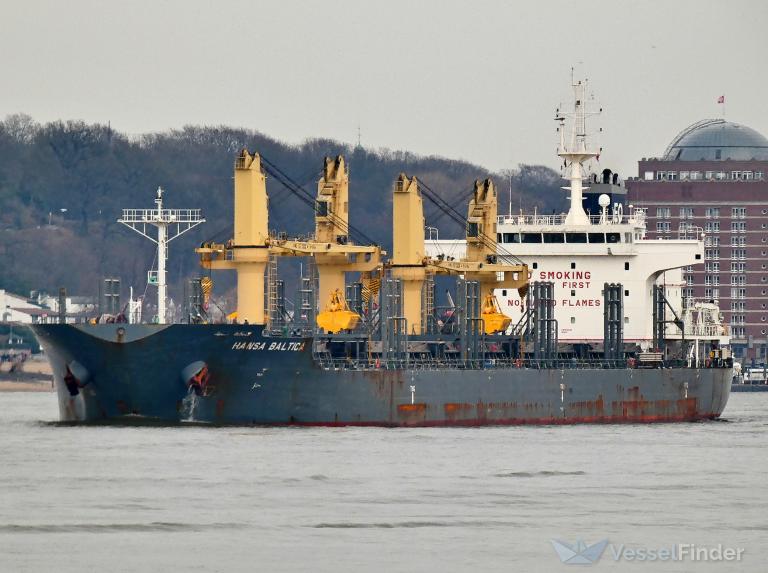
x,y
477,80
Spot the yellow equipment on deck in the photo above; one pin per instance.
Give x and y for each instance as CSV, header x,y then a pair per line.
x,y
336,316
493,319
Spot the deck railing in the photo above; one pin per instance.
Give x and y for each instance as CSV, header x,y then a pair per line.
x,y
335,363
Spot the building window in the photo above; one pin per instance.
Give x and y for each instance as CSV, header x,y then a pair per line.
x,y
684,175
661,175
738,306
712,226
649,175
738,226
740,254
712,267
739,212
663,212
685,227
739,280
695,175
735,175
737,293
686,212
712,213
737,267
713,254
663,227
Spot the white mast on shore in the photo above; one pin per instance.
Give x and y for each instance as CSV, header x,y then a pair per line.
x,y
170,224
576,152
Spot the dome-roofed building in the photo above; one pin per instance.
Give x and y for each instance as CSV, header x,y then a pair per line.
x,y
712,178
717,140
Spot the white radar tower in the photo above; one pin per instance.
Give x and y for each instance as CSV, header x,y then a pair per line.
x,y
170,224
575,151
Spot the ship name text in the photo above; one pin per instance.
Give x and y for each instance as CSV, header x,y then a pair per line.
x,y
269,346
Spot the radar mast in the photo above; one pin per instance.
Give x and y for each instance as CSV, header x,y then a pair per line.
x,y
575,151
170,224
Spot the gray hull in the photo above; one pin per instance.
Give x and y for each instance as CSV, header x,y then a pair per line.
x,y
230,374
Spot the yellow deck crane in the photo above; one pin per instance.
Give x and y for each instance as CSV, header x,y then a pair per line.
x,y
248,252
481,263
408,259
333,251
482,260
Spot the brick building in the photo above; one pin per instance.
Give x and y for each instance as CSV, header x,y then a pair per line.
x,y
713,177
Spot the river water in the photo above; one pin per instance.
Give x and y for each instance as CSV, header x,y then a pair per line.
x,y
75,499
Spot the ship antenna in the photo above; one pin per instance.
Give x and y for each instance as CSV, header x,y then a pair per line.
x,y
170,224
510,195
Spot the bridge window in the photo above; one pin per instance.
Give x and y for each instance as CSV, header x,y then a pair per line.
x,y
613,237
531,238
576,237
511,237
596,238
554,238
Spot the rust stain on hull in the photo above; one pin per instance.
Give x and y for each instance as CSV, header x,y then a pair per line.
x,y
412,414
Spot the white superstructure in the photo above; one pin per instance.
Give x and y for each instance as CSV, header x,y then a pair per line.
x,y
579,253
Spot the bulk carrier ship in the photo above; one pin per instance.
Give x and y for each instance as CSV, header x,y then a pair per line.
x,y
552,320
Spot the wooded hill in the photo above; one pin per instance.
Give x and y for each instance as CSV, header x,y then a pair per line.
x,y
63,185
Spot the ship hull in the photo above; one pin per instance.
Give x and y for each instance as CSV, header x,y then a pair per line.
x,y
230,374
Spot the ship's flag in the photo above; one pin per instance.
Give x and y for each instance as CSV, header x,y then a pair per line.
x,y
721,99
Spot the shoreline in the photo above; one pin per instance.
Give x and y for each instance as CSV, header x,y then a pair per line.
x,y
26,386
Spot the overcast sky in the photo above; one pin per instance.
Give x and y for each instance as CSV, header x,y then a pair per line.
x,y
475,80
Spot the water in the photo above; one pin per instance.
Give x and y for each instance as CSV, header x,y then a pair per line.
x,y
76,499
